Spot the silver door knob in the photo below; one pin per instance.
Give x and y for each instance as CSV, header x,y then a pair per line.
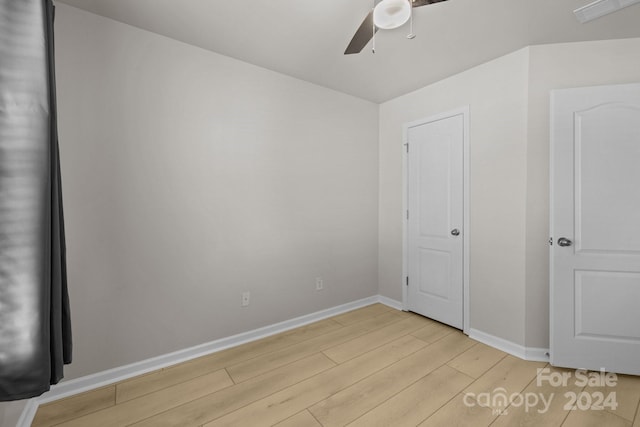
x,y
563,241
455,232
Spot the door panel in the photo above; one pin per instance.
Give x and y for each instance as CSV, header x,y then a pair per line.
x,y
435,273
435,208
597,296
606,172
433,180
595,281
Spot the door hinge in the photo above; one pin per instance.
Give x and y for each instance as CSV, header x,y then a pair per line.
x,y
407,280
407,146
550,241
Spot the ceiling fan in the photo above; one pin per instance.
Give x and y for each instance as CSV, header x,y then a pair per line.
x,y
386,15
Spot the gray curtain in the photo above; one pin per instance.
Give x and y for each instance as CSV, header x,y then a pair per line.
x,y
35,331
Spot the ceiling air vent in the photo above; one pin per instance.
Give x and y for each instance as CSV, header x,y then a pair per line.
x,y
600,8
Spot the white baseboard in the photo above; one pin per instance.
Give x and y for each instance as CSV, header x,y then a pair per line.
x,y
29,411
100,379
536,354
390,302
517,350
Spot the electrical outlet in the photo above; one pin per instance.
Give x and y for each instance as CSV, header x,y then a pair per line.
x,y
319,284
246,296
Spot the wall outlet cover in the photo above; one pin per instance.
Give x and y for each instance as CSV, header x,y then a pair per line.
x,y
246,296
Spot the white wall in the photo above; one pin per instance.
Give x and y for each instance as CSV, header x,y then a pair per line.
x,y
497,95
189,177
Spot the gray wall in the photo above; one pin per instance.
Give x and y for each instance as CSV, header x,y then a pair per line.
x,y
10,412
190,177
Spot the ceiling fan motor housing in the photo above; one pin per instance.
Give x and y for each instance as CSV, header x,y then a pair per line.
x,y
389,14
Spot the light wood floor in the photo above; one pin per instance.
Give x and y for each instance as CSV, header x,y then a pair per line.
x,y
374,366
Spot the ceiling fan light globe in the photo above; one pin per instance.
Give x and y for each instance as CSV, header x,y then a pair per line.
x,y
390,14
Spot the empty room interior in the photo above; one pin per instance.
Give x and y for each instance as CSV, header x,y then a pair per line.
x,y
263,228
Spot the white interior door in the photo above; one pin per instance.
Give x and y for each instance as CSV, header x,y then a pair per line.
x,y
595,226
435,220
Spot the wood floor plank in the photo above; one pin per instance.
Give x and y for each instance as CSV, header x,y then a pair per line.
x,y
417,402
361,314
145,406
477,360
460,412
432,332
510,375
248,369
312,330
144,384
288,402
549,410
301,419
357,399
76,406
589,418
215,405
357,346
636,421
627,394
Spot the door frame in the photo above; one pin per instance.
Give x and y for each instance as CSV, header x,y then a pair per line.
x,y
464,111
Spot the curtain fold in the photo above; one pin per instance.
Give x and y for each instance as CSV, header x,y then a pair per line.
x,y
35,329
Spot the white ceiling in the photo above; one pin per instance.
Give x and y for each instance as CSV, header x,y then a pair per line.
x,y
306,38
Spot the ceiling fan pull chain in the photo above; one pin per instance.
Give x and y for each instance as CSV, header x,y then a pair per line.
x,y
411,35
373,37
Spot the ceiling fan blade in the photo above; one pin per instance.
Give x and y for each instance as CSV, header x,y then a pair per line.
x,y
418,3
365,31
362,35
